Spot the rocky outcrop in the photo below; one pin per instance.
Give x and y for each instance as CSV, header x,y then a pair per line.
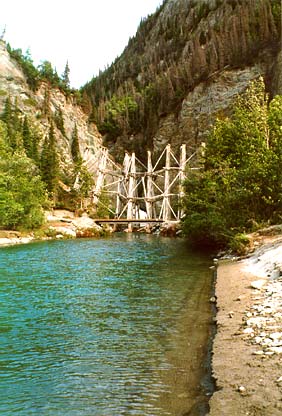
x,y
13,84
185,66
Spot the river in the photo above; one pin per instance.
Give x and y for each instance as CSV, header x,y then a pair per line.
x,y
104,327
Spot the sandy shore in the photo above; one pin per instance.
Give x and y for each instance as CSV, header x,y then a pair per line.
x,y
247,350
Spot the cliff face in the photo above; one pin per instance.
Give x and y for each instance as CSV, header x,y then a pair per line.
x,y
43,106
183,68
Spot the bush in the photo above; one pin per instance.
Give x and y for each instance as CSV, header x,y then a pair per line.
x,y
240,183
22,193
240,244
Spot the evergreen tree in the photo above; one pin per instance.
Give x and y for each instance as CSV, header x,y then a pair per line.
x,y
30,140
13,122
46,102
75,151
65,76
59,120
27,139
49,163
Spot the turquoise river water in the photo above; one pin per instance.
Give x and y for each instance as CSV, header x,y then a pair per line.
x,y
104,327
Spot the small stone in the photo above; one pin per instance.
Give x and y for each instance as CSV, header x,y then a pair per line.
x,y
275,336
276,350
242,389
213,299
260,352
231,314
249,314
248,330
258,284
275,274
279,380
258,340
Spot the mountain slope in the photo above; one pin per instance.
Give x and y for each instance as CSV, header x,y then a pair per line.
x,y
182,69
44,107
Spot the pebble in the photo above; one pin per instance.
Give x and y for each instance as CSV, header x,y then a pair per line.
x,y
242,389
263,319
258,284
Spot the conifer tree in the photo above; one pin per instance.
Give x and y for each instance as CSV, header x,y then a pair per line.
x,y
59,120
75,151
27,139
49,163
65,76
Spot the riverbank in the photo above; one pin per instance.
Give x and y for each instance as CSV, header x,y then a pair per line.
x,y
247,350
63,224
60,224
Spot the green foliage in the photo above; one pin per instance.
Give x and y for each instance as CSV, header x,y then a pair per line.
x,y
276,12
26,63
44,72
59,121
11,118
47,73
75,151
240,183
119,115
66,76
22,193
240,244
49,163
103,206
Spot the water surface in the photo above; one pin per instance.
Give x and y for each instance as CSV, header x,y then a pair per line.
x,y
105,327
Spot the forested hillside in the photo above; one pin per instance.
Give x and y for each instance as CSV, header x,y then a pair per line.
x,y
171,81
45,141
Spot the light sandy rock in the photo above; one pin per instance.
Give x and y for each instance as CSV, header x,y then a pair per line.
x,y
258,284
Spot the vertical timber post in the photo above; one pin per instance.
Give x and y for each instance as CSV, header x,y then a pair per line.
x,y
150,193
131,187
118,199
166,207
101,175
182,167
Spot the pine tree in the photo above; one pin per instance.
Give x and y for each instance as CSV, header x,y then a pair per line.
x,y
75,151
49,163
59,120
27,139
65,76
6,116
30,140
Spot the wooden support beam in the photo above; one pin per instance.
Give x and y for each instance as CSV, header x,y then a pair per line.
x,y
166,204
150,189
131,187
182,166
101,176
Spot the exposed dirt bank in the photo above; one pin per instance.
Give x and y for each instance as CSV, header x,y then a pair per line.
x,y
247,350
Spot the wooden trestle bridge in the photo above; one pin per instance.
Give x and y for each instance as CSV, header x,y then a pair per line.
x,y
139,192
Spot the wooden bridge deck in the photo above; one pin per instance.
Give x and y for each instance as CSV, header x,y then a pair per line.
x,y
127,221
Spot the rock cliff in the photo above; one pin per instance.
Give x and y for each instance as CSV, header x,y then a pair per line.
x,y
13,84
184,67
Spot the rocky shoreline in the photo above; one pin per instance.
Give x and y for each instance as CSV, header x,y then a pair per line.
x,y
62,224
247,349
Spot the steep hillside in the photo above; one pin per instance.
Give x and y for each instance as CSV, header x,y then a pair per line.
x,y
44,106
183,69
